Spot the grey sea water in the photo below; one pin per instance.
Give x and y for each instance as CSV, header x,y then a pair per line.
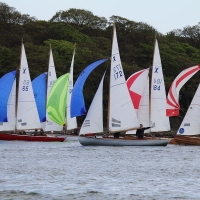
x,y
58,171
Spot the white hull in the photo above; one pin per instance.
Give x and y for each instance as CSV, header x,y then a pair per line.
x,y
92,141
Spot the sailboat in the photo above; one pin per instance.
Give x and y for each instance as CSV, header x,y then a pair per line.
x,y
151,110
58,111
121,113
50,125
27,117
190,125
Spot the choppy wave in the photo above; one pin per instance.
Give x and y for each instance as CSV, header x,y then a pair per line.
x,y
58,171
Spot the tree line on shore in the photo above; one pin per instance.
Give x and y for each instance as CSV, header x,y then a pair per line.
x,y
92,35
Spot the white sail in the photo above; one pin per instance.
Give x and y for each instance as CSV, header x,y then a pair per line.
x,y
71,123
93,122
191,122
11,107
122,115
158,95
140,97
27,114
143,111
51,78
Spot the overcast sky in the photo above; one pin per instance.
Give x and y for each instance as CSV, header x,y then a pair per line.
x,y
163,15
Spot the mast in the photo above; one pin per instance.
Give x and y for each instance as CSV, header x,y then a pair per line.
x,y
108,114
151,82
71,122
17,86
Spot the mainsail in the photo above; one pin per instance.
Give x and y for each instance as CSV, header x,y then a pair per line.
x,y
173,106
27,114
122,115
158,95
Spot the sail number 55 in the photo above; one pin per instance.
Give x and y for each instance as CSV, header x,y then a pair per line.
x,y
25,85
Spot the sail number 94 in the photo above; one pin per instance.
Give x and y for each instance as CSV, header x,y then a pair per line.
x,y
156,87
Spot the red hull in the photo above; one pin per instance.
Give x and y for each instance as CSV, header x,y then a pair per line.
x,y
30,138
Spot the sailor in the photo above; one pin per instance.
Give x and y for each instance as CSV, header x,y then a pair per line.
x,y
116,134
140,131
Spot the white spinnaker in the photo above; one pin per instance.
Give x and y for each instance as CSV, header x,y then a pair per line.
x,y
71,123
122,115
93,122
11,107
158,95
27,113
51,78
191,122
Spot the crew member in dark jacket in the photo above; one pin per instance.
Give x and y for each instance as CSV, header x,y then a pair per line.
x,y
140,131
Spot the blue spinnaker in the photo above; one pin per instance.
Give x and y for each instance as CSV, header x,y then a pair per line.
x,y
77,100
39,89
6,83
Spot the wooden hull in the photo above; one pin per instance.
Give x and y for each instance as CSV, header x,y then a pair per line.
x,y
187,140
30,138
92,141
172,141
